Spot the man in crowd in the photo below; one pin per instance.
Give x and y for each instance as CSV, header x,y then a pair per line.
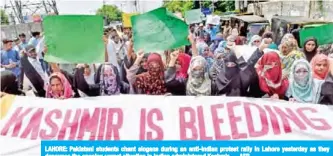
x,y
35,38
23,40
10,59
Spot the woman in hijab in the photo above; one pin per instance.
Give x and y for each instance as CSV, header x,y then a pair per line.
x,y
320,66
176,73
327,87
289,54
9,84
151,82
286,37
217,66
205,52
207,39
59,87
302,87
198,82
229,81
108,78
255,41
269,72
310,48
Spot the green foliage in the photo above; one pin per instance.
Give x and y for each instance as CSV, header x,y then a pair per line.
x,y
221,5
178,6
4,17
182,6
111,12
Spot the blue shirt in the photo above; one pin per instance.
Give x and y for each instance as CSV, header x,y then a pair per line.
x,y
23,45
14,56
33,41
213,31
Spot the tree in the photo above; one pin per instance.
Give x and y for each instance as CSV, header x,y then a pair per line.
x,y
220,6
110,11
182,6
178,6
4,17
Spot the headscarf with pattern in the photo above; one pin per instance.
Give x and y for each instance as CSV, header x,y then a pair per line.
x,y
269,72
152,82
198,82
109,80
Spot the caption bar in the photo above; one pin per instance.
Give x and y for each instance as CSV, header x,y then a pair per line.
x,y
186,148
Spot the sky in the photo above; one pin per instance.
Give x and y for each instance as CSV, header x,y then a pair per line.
x,y
90,6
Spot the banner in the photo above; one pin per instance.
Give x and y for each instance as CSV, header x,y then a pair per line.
x,y
74,39
213,19
28,120
323,34
193,16
158,30
127,19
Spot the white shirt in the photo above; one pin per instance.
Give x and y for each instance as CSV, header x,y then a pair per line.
x,y
40,48
111,49
90,79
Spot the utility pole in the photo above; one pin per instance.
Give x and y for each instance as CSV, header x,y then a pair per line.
x,y
47,12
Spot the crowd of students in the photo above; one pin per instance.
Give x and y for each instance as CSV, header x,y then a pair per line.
x,y
207,67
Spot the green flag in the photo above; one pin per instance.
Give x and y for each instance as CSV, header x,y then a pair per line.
x,y
323,34
74,39
193,16
158,30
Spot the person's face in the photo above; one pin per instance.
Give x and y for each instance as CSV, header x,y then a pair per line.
x,y
206,38
301,75
8,45
256,43
56,86
22,39
154,67
284,49
310,46
87,71
32,54
144,63
236,25
116,39
321,67
113,33
206,51
192,29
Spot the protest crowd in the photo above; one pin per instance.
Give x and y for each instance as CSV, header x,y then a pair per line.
x,y
210,65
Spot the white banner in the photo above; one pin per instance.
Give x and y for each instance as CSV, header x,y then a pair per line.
x,y
213,19
27,120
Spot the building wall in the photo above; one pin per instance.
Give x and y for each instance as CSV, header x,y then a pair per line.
x,y
293,8
12,31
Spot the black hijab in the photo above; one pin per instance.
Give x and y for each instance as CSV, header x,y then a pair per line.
x,y
229,81
310,54
9,84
